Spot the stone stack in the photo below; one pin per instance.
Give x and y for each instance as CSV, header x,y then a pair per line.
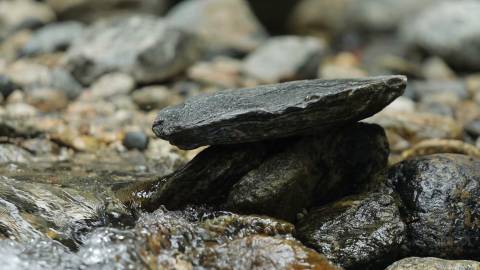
x,y
296,151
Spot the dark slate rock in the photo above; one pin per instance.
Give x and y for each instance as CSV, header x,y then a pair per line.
x,y
53,37
135,140
274,111
441,207
6,86
415,263
321,169
204,180
144,47
358,232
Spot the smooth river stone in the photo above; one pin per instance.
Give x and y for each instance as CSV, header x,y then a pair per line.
x,y
274,111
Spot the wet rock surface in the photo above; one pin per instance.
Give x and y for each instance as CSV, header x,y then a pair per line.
x,y
414,263
310,166
274,111
440,205
359,232
84,183
190,239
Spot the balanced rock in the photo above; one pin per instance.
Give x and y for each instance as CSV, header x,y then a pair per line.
x,y
267,177
440,204
274,111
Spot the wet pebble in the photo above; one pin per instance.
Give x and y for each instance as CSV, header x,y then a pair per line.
x,y
135,140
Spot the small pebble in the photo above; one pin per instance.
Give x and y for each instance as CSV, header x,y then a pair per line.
x,y
135,140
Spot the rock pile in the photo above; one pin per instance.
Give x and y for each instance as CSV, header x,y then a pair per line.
x,y
297,152
280,149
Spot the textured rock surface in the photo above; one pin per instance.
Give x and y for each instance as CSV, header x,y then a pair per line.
x,y
223,24
357,232
204,180
450,30
274,111
144,47
269,63
190,239
320,168
441,208
51,38
414,263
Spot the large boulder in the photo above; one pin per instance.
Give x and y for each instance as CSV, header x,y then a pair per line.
x,y
145,47
440,204
274,111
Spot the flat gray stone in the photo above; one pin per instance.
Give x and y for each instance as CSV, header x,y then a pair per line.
x,y
275,111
